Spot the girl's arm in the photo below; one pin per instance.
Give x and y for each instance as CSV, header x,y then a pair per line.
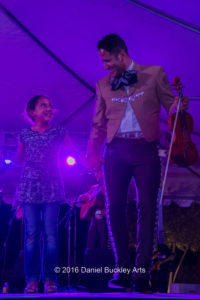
x,y
18,161
20,157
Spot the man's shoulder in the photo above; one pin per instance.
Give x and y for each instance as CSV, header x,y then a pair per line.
x,y
148,68
151,69
104,81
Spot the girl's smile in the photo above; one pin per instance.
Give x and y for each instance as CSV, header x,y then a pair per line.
x,y
43,111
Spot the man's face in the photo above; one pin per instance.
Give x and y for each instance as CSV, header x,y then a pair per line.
x,y
114,63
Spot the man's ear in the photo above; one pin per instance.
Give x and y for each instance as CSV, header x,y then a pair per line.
x,y
122,55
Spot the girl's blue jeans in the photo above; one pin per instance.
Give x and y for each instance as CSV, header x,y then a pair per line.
x,y
40,219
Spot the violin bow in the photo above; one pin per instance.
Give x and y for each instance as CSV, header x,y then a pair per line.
x,y
178,87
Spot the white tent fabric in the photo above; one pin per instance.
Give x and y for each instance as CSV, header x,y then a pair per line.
x,y
49,47
71,31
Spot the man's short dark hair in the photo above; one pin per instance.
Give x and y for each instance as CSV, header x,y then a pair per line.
x,y
112,43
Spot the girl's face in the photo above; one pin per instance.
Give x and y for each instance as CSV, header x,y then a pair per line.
x,y
43,111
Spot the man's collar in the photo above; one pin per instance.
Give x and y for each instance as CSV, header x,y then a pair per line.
x,y
130,66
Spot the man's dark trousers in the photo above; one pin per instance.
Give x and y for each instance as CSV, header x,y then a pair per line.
x,y
124,159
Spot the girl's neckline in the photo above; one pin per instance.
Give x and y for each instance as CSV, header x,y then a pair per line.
x,y
40,132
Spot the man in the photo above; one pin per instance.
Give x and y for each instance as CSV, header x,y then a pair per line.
x,y
93,210
98,253
164,263
127,114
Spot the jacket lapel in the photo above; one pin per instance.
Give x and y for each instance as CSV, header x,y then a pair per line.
x,y
133,87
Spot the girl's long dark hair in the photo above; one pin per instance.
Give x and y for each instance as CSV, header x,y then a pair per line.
x,y
32,104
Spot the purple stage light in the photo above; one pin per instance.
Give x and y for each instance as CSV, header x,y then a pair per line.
x,y
70,161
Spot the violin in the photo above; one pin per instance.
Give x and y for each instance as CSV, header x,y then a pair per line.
x,y
184,152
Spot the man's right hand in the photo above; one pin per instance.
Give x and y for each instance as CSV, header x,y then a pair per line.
x,y
95,162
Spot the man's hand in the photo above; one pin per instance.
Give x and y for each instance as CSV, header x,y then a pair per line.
x,y
95,162
184,102
183,105
19,212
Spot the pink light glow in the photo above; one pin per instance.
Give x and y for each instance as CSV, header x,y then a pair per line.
x,y
70,161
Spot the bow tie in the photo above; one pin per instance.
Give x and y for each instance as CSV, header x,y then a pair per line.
x,y
126,78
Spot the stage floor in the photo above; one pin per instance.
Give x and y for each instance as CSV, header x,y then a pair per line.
x,y
99,296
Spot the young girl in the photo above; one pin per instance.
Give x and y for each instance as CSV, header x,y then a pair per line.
x,y
40,192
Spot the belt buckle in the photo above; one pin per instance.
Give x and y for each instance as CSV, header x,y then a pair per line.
x,y
130,135
133,135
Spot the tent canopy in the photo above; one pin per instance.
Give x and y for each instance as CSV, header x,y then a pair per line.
x,y
49,47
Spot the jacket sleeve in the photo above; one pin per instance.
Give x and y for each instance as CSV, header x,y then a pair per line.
x,y
99,130
164,91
